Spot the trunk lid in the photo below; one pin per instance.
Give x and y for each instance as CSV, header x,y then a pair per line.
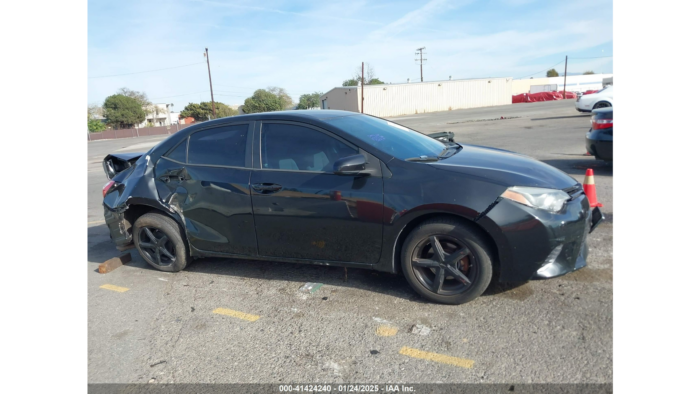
x,y
115,163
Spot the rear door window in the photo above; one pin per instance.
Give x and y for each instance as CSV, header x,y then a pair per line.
x,y
179,153
222,146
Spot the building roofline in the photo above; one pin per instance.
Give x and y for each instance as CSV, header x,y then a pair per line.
x,y
418,83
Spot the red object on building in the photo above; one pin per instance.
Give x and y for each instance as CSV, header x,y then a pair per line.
x,y
188,120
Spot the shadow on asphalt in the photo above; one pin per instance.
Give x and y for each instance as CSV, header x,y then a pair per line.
x,y
578,166
100,249
564,117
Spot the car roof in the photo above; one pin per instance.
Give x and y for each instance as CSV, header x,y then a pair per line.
x,y
316,114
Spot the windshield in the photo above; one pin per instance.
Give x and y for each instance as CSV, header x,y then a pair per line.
x,y
389,137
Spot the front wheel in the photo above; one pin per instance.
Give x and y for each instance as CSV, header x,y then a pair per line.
x,y
446,261
158,240
602,104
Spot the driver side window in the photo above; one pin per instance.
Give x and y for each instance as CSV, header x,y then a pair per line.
x,y
299,148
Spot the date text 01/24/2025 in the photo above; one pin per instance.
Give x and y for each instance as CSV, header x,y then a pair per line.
x,y
346,389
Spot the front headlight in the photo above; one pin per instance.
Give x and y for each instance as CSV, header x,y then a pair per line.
x,y
551,200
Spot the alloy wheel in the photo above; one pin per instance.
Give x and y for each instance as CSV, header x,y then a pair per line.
x,y
444,265
156,246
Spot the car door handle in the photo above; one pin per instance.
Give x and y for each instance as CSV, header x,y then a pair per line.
x,y
266,187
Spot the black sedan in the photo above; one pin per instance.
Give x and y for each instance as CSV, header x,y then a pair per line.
x,y
599,139
344,189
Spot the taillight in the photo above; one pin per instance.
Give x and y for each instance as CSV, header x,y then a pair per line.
x,y
601,123
107,187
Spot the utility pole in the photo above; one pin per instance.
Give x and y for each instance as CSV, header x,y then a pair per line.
x,y
213,109
566,63
362,90
420,52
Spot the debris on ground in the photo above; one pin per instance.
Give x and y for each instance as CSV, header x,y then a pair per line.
x,y
420,329
310,287
114,263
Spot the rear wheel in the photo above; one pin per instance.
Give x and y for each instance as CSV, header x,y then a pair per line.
x,y
159,241
446,261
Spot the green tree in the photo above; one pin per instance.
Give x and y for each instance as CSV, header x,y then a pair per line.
x,y
370,77
95,126
588,73
141,97
262,101
552,73
311,100
195,111
284,97
202,111
122,111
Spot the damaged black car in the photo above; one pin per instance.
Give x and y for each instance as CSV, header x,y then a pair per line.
x,y
346,189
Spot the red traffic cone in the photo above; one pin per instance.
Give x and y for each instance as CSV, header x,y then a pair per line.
x,y
589,189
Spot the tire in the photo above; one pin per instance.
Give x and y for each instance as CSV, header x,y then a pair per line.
x,y
602,104
167,254
454,237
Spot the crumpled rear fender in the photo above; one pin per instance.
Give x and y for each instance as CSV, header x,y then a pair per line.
x,y
137,188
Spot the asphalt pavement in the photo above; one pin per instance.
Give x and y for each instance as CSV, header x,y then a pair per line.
x,y
227,321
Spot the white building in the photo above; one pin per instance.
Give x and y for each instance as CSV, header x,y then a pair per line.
x,y
412,98
162,118
574,83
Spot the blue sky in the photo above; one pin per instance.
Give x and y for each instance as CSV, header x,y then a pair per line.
x,y
314,46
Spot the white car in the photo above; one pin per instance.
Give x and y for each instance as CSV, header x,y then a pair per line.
x,y
601,99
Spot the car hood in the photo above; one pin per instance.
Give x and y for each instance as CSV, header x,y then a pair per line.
x,y
505,167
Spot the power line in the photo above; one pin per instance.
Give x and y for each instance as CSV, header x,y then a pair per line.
x,y
546,69
596,57
179,95
149,71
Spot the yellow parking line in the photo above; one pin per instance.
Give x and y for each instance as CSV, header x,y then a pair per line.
x,y
114,288
99,221
440,358
386,331
232,313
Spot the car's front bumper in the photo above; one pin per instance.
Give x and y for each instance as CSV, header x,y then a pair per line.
x,y
536,244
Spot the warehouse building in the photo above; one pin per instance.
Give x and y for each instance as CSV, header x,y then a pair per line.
x,y
413,98
574,83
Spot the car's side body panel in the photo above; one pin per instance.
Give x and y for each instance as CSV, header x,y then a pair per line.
x,y
215,205
317,215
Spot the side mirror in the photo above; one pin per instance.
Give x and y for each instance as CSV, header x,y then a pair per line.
x,y
350,165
